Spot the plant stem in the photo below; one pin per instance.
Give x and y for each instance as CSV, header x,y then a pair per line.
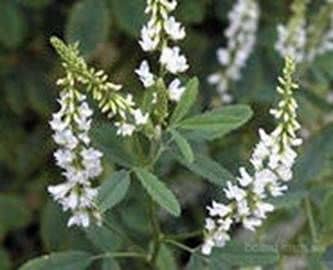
x,y
120,255
156,232
179,245
311,221
186,235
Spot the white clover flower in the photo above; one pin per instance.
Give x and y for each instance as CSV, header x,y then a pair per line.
x,y
173,61
174,29
272,161
146,77
241,35
176,90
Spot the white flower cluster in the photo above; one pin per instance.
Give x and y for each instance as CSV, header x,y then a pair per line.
x,y
304,42
326,42
79,160
241,35
156,35
272,161
131,119
292,42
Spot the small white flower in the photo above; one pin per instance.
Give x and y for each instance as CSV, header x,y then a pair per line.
x,y
125,129
64,157
225,223
80,219
175,90
243,209
207,247
149,39
218,209
140,118
245,178
173,61
223,56
146,77
234,192
210,224
251,223
174,29
66,138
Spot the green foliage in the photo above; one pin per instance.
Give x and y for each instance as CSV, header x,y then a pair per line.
x,y
186,102
12,24
4,260
205,146
235,254
165,259
208,169
217,123
184,146
86,17
112,191
158,191
13,213
66,261
129,14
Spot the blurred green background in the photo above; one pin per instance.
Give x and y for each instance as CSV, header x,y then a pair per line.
x,y
108,30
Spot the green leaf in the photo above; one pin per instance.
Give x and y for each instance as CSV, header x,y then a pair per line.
x,y
14,213
308,168
186,102
200,262
116,149
165,259
12,25
326,211
289,200
158,191
208,169
88,23
183,145
4,260
70,260
110,264
111,192
214,124
191,11
241,254
129,15
103,238
56,235
37,4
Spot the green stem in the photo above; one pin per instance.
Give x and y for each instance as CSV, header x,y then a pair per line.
x,y
156,231
119,255
186,235
311,221
179,245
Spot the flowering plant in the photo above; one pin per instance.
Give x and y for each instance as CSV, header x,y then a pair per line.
x,y
129,155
